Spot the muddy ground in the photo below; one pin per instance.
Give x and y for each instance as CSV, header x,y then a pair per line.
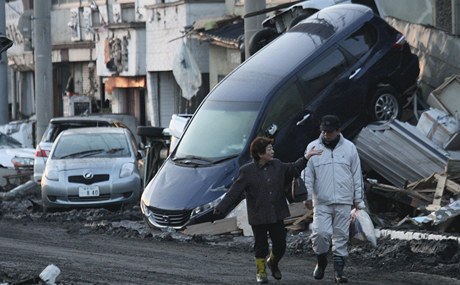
x,y
102,246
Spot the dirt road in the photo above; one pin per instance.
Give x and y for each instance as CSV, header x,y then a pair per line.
x,y
103,247
27,248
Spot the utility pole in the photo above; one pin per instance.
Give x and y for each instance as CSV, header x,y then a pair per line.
x,y
4,112
44,105
252,24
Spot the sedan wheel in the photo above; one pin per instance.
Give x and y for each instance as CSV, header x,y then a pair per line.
x,y
385,105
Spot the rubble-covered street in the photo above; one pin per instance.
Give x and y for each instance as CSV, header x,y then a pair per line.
x,y
99,246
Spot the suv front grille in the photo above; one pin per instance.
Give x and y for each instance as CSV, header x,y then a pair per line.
x,y
167,218
96,178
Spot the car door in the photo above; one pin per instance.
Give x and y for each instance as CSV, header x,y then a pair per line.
x,y
338,81
318,83
286,113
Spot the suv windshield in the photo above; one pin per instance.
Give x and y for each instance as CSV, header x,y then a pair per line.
x,y
219,130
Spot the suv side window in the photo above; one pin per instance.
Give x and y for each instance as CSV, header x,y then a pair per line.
x,y
361,41
286,102
321,72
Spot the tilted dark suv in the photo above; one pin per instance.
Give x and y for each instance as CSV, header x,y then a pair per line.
x,y
342,60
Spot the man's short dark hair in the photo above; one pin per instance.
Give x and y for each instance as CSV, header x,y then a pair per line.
x,y
330,123
258,146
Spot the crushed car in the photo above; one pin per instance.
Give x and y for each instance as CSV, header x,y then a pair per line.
x,y
16,162
285,18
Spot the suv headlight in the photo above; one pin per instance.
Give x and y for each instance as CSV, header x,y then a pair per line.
x,y
208,206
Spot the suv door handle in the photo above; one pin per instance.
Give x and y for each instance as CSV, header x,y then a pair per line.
x,y
354,73
303,119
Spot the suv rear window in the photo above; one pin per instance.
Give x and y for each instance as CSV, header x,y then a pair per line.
x,y
361,41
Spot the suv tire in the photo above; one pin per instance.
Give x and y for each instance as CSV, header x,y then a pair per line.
x,y
385,105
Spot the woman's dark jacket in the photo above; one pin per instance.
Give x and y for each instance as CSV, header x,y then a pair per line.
x,y
264,187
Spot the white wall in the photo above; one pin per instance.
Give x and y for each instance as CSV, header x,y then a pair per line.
x,y
164,33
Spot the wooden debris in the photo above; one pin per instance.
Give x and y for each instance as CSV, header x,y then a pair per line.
x,y
450,185
230,225
442,179
411,198
429,194
307,215
222,226
426,182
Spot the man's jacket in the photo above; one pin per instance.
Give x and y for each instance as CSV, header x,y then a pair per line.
x,y
335,176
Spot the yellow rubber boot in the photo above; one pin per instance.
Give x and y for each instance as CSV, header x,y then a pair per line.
x,y
272,263
261,275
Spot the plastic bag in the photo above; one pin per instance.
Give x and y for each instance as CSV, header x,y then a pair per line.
x,y
186,72
361,227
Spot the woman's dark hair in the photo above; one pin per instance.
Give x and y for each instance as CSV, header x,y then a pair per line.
x,y
258,146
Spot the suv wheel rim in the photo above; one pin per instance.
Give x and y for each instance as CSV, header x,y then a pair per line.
x,y
386,107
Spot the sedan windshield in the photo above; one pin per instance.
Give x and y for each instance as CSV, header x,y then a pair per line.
x,y
91,145
220,129
9,142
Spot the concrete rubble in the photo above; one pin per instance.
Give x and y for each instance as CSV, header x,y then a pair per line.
x,y
47,277
418,163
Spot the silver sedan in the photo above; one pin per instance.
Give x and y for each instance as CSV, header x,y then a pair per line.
x,y
92,167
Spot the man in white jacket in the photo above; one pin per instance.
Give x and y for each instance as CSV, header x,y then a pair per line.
x,y
334,183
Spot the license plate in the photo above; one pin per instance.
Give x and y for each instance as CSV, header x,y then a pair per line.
x,y
88,191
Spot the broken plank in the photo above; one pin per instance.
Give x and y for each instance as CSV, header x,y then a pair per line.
x,y
222,226
402,196
294,228
307,215
442,179
297,209
390,188
451,185
428,181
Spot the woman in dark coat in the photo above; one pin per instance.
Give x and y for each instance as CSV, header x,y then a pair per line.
x,y
263,181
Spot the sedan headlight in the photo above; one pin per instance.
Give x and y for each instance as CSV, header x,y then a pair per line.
x,y
126,170
51,173
206,207
22,161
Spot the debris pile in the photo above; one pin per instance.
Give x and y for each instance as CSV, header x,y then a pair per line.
x,y
417,166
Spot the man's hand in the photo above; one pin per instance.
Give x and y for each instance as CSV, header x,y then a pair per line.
x,y
308,204
359,205
313,152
